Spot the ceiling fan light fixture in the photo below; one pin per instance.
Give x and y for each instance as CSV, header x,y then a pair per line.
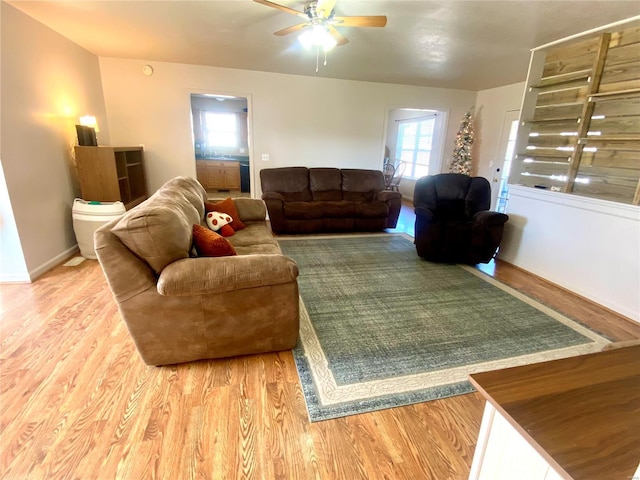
x,y
317,36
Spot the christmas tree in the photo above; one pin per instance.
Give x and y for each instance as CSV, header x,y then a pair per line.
x,y
461,162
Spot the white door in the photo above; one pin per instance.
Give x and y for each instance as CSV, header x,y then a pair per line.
x,y
502,165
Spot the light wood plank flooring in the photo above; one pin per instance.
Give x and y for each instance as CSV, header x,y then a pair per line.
x,y
76,401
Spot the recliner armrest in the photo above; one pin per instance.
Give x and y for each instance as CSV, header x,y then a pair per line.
x,y
490,218
425,214
209,275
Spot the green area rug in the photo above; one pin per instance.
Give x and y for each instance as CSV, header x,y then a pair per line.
x,y
380,327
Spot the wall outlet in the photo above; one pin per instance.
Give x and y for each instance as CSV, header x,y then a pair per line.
x,y
265,157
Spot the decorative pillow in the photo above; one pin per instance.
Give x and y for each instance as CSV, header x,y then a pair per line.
x,y
209,244
226,206
220,222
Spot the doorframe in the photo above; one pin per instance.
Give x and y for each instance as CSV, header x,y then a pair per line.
x,y
248,97
497,167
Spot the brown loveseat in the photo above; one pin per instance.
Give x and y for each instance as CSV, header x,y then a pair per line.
x,y
179,308
309,200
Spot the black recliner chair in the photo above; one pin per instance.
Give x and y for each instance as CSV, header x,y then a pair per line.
x,y
453,221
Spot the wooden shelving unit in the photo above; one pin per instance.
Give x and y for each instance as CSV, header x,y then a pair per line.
x,y
111,174
580,130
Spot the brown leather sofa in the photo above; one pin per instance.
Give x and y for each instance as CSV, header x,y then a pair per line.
x,y
311,200
178,308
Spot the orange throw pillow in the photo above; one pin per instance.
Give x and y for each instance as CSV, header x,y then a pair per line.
x,y
226,206
209,244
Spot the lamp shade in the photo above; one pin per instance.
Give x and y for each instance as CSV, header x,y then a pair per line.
x,y
89,121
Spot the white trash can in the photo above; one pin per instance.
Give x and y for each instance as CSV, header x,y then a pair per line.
x,y
88,217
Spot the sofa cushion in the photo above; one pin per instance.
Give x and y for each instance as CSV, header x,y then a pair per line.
x,y
359,197
226,206
187,188
340,209
210,244
250,209
325,183
361,185
291,182
302,210
256,233
371,209
159,230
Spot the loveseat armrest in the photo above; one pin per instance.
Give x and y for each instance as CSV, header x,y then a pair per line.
x,y
275,207
489,218
209,275
272,196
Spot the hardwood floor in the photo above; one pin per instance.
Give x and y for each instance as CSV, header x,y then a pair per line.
x,y
76,401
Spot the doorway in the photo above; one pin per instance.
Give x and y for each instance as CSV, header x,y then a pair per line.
x,y
506,148
221,144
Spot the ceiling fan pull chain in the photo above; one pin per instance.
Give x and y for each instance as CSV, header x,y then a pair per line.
x,y
325,58
317,57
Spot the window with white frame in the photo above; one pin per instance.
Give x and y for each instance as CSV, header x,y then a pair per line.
x,y
221,129
415,144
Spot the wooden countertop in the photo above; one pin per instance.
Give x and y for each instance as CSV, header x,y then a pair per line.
x,y
582,414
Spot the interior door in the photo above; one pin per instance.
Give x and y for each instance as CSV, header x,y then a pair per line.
x,y
502,165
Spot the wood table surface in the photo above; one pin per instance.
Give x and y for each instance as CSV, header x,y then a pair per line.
x,y
582,414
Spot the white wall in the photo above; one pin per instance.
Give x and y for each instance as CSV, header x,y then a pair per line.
x,y
297,120
589,246
47,83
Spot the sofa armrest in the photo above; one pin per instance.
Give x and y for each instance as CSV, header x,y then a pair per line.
x,y
489,218
209,275
272,196
387,195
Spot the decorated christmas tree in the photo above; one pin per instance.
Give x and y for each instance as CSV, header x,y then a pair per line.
x,y
461,161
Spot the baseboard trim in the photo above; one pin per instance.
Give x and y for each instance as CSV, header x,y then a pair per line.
x,y
54,262
14,278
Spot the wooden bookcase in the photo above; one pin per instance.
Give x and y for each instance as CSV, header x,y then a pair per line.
x,y
111,174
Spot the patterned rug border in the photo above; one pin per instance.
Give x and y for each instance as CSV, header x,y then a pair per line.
x,y
326,399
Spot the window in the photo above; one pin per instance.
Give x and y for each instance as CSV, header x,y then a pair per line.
x,y
221,129
415,144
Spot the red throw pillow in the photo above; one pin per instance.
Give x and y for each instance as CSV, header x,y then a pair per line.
x,y
226,206
209,244
226,231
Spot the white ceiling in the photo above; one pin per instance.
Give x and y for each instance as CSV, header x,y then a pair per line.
x,y
471,45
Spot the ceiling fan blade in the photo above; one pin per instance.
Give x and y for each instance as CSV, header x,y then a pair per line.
x,y
366,21
288,30
281,7
325,7
337,35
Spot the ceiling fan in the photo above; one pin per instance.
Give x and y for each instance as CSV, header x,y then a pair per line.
x,y
320,17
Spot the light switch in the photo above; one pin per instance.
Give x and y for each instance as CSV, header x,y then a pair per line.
x,y
265,157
